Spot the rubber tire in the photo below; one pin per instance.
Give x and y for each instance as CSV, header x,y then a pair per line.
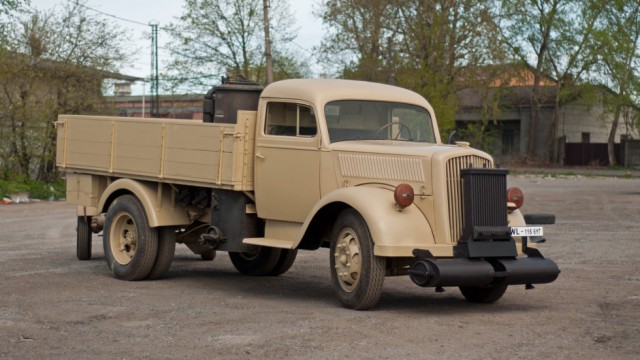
x,y
261,264
484,295
285,261
146,245
369,288
166,250
83,239
208,255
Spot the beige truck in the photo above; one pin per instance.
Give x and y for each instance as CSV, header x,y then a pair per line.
x,y
355,167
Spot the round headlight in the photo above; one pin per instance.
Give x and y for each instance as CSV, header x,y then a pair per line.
x,y
403,195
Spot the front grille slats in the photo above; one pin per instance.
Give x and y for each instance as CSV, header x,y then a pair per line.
x,y
486,193
454,190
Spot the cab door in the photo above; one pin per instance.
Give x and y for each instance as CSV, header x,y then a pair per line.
x,y
287,164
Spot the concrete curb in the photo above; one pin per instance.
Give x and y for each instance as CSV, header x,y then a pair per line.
x,y
572,171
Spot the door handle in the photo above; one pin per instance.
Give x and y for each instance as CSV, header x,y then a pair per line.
x,y
259,156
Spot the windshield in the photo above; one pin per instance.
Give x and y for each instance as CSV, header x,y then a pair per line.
x,y
377,120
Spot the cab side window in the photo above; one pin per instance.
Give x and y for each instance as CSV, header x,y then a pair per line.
x,y
288,119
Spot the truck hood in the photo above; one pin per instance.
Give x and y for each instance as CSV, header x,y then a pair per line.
x,y
393,162
406,148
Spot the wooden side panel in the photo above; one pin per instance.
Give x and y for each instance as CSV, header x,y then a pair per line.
x,y
61,128
244,150
178,151
137,147
193,152
88,144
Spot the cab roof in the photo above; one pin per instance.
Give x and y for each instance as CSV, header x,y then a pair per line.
x,y
322,91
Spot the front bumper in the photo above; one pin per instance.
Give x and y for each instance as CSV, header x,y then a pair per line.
x,y
427,271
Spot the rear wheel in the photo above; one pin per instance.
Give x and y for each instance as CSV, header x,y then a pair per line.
x,y
356,273
83,239
208,255
285,261
166,250
259,262
130,245
485,295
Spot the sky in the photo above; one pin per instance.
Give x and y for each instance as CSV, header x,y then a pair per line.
x,y
165,11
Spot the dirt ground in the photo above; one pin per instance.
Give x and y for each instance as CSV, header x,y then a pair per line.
x,y
54,306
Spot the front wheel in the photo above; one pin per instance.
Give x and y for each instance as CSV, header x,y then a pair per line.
x,y
130,245
356,273
485,295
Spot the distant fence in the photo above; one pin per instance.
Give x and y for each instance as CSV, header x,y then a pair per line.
x,y
630,153
582,154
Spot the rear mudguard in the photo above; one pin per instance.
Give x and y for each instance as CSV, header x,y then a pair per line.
x,y
157,199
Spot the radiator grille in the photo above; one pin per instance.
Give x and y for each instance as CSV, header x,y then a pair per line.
x,y
454,189
485,197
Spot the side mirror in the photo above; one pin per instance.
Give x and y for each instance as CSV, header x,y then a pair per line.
x,y
452,137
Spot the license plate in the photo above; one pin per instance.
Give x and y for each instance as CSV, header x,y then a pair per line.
x,y
527,231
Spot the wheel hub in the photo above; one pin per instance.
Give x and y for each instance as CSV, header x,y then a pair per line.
x,y
123,238
348,264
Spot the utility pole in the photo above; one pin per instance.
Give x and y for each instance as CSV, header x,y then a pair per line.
x,y
267,40
155,97
391,77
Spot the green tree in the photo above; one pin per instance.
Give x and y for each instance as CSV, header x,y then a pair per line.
x,y
214,38
446,44
357,36
531,28
572,58
52,63
431,47
618,36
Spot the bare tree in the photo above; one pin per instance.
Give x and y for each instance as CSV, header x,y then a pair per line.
x,y
214,38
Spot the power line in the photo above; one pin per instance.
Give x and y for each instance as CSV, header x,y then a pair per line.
x,y
113,16
165,29
294,43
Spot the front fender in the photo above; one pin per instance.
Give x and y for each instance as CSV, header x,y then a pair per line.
x,y
515,218
157,199
394,232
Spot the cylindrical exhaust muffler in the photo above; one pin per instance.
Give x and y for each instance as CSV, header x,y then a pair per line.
x,y
530,271
451,272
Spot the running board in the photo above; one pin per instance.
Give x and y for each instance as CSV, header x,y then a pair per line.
x,y
275,243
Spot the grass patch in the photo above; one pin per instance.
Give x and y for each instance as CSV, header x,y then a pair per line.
x,y
559,174
36,189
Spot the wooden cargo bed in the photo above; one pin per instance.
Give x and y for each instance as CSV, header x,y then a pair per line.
x,y
163,150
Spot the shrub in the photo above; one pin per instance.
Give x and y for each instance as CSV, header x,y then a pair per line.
x,y
36,189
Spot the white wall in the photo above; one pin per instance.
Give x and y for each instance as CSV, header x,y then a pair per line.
x,y
576,119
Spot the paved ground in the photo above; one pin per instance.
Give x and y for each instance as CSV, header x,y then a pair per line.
x,y
54,306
